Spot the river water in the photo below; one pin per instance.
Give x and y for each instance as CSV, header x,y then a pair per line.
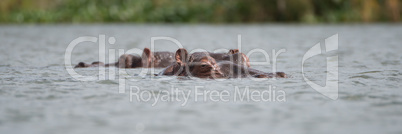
x,y
38,95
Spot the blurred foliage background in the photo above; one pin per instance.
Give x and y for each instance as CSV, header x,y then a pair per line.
x,y
199,11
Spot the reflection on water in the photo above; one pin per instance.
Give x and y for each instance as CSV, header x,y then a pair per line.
x,y
39,96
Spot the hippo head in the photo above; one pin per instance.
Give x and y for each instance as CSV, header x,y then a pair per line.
x,y
204,67
81,65
136,61
129,61
198,66
237,57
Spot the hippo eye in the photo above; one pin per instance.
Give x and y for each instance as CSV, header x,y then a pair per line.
x,y
203,65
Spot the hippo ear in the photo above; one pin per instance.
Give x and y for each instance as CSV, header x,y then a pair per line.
x,y
233,51
147,57
245,59
181,56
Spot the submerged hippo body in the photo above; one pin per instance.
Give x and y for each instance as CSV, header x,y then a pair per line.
x,y
207,67
157,59
148,60
93,64
128,61
231,70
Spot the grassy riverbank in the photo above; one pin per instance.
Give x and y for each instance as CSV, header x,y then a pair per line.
x,y
195,11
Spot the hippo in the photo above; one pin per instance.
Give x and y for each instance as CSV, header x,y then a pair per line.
x,y
207,67
128,61
233,55
94,64
177,67
157,59
147,60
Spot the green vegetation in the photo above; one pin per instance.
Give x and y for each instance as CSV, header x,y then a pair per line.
x,y
199,11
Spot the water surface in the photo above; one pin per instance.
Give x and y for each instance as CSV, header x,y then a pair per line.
x,y
37,95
